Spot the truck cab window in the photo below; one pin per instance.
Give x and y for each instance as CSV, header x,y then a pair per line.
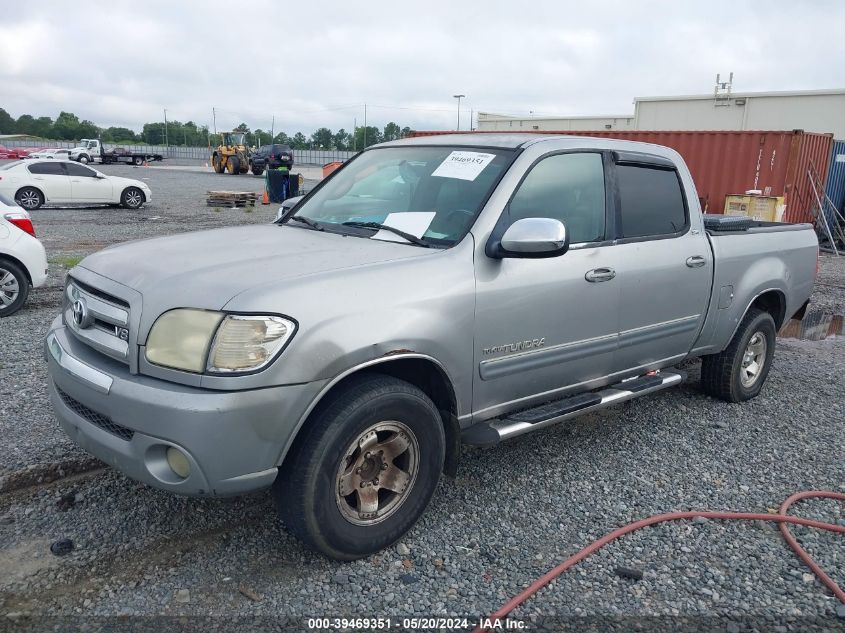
x,y
652,201
565,187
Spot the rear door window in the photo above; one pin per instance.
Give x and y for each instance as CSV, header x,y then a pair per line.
x,y
75,169
49,169
652,201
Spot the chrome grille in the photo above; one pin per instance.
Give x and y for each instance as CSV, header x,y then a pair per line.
x,y
97,419
106,328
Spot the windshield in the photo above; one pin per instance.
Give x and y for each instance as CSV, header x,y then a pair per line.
x,y
432,193
235,138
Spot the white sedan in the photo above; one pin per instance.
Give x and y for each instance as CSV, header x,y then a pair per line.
x,y
33,183
23,262
57,154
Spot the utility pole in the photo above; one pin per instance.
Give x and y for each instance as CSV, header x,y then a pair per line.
x,y
365,126
471,116
459,97
354,129
214,116
166,144
273,129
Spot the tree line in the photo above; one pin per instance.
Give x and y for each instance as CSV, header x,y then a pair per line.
x,y
68,127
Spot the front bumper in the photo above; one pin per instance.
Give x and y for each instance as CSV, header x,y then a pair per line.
x,y
232,439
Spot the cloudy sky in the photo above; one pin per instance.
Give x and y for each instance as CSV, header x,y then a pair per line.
x,y
315,64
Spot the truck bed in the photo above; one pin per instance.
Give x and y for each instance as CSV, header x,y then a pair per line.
x,y
759,258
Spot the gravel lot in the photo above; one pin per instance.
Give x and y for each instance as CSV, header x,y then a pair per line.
x,y
510,515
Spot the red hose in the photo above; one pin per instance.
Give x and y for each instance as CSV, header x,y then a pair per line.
x,y
781,518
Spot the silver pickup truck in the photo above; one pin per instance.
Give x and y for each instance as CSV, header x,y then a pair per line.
x,y
432,292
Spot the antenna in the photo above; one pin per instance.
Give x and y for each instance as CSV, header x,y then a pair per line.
x,y
722,91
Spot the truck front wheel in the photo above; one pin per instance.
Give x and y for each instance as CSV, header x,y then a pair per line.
x,y
738,373
364,468
84,159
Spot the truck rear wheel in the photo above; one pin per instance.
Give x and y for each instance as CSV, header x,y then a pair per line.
x,y
738,373
363,469
138,161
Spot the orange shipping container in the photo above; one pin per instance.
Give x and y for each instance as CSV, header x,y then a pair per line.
x,y
725,163
328,168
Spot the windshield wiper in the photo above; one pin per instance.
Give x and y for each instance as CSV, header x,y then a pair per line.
x,y
307,221
413,239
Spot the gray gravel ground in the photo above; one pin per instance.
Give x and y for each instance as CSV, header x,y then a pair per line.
x,y
509,516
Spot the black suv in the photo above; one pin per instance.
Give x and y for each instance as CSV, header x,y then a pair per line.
x,y
271,157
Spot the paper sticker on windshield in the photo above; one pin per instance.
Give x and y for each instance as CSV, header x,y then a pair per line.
x,y
463,165
414,222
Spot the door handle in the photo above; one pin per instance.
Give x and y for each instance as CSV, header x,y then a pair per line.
x,y
696,261
600,274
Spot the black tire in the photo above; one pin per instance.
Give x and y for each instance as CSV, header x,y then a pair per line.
x,y
307,490
233,164
138,161
257,170
14,285
29,198
218,165
132,198
84,159
723,375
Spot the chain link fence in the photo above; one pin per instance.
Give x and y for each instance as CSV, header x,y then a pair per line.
x,y
300,156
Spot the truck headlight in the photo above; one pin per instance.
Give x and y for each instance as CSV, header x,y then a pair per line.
x,y
180,339
200,340
247,343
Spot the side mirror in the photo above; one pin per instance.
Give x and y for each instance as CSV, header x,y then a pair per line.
x,y
534,238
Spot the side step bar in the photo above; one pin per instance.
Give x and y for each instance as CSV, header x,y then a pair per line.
x,y
491,432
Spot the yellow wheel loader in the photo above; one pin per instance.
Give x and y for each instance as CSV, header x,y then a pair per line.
x,y
231,155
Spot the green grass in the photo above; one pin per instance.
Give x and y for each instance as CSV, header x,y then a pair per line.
x,y
67,262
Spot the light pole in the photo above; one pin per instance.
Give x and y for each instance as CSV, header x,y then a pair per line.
x,y
459,97
166,144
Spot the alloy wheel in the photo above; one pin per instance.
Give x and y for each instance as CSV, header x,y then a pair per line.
x,y
9,288
133,199
29,199
377,473
753,360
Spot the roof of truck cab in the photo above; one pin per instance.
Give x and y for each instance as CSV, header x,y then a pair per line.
x,y
521,140
505,141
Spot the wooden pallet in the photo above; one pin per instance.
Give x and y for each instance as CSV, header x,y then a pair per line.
x,y
231,198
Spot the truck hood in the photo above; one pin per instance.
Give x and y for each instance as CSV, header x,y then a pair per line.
x,y
205,269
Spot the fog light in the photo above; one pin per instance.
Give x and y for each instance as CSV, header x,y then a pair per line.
x,y
178,462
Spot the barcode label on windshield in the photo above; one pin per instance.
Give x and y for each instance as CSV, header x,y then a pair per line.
x,y
463,165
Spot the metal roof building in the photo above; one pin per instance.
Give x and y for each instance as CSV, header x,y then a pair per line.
x,y
808,110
